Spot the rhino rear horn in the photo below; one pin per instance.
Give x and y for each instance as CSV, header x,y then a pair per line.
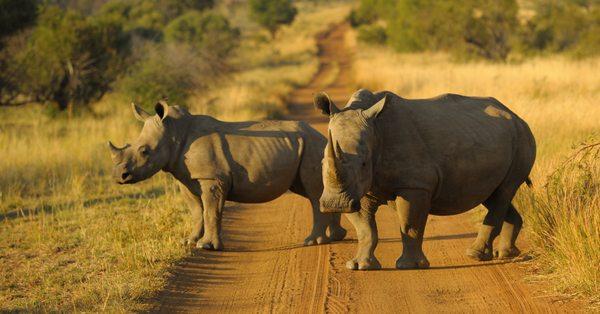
x,y
139,113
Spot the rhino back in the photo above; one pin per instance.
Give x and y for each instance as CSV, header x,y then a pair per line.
x,y
468,142
259,160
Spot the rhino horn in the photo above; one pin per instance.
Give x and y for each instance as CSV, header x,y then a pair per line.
x,y
115,152
139,113
331,156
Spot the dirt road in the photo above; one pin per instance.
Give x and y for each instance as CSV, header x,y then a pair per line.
x,y
265,268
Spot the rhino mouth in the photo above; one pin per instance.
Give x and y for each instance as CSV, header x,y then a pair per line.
x,y
126,178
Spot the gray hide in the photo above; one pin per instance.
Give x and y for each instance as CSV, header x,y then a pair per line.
x,y
215,161
440,156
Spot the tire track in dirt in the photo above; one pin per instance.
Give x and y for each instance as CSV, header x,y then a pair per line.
x,y
265,268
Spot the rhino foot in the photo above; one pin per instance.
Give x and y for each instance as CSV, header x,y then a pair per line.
x,y
188,242
209,244
412,262
480,255
316,239
507,253
363,264
337,233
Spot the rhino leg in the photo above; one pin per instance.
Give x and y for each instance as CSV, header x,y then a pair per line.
x,y
366,231
320,221
213,199
195,204
508,235
413,208
482,249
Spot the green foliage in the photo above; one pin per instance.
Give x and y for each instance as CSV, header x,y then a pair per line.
x,y
148,18
16,15
373,34
487,29
209,32
563,26
271,14
173,71
480,28
70,60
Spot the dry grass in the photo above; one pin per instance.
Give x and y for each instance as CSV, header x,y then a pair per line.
x,y
71,239
560,99
271,70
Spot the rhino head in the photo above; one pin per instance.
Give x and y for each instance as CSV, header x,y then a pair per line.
x,y
349,155
153,148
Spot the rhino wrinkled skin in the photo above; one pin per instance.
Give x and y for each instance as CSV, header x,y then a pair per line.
x,y
439,156
215,161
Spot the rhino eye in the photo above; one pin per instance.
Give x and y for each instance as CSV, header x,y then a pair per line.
x,y
364,164
144,150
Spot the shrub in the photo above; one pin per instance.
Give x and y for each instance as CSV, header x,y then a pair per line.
x,y
173,71
564,26
208,32
373,34
271,14
16,15
71,60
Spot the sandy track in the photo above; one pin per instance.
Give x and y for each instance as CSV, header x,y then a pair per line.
x,y
265,268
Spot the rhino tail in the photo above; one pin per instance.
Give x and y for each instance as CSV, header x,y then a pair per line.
x,y
528,182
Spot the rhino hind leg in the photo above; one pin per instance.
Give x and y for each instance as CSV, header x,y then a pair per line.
x,y
498,205
508,235
366,231
413,208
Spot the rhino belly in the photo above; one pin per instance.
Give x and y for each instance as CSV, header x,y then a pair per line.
x,y
263,169
470,179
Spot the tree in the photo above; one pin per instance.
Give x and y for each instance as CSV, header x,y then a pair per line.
x,y
271,14
209,32
70,60
15,15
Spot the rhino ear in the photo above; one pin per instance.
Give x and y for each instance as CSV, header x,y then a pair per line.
x,y
162,109
375,110
325,104
139,113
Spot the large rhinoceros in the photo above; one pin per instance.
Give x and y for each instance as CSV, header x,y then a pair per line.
x,y
440,156
247,162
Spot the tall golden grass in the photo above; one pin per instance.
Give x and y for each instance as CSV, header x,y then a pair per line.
x,y
560,100
71,239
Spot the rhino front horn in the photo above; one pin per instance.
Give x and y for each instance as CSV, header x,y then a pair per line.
x,y
115,152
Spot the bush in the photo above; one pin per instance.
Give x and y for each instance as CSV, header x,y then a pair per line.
x,y
271,14
173,71
71,60
372,34
208,32
564,26
16,15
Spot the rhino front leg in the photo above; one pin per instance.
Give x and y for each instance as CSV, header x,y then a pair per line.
x,y
195,205
366,231
413,208
322,221
213,199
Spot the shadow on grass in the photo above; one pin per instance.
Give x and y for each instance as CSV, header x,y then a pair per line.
x,y
50,208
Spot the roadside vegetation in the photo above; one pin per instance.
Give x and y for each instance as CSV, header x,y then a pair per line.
x,y
558,97
70,238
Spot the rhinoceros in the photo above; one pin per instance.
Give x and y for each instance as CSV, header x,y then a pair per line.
x,y
439,156
215,161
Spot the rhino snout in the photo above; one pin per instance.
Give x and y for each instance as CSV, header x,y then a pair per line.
x,y
122,175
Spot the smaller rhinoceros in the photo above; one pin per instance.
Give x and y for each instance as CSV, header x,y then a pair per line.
x,y
215,161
